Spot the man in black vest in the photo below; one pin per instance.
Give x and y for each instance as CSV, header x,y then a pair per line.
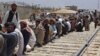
x,y
12,16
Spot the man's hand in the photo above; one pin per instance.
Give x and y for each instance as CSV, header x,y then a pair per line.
x,y
3,29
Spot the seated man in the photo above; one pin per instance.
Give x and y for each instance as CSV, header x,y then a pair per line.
x,y
26,34
79,26
11,38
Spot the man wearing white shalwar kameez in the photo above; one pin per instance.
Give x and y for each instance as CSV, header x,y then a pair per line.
x,y
12,16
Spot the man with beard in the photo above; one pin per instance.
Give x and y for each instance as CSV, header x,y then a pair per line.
x,y
11,16
11,38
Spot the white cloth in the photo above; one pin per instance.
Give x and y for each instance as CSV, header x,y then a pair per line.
x,y
14,20
53,30
69,25
20,42
32,39
60,19
78,23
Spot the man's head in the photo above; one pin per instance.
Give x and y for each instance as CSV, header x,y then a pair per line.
x,y
23,24
13,7
10,27
38,21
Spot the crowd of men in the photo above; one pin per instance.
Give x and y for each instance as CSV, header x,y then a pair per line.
x,y
19,36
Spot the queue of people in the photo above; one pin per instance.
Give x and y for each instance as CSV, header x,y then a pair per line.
x,y
19,36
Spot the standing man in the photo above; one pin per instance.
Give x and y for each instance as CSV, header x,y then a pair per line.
x,y
95,19
12,16
86,21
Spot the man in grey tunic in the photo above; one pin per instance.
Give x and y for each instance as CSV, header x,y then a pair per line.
x,y
11,38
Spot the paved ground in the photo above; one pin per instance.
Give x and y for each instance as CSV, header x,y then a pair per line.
x,y
67,45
